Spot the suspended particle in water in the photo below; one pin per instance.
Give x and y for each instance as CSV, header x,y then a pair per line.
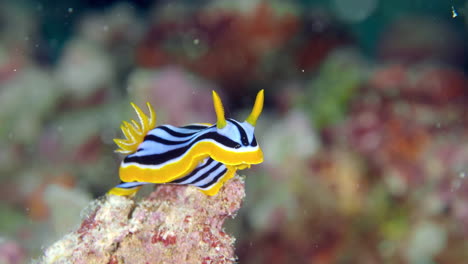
x,y
454,12
70,10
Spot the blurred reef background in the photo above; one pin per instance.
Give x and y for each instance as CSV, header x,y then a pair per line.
x,y
365,127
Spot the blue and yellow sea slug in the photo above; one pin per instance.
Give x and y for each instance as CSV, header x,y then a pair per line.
x,y
202,155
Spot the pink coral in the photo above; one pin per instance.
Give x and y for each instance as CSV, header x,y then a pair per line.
x,y
175,224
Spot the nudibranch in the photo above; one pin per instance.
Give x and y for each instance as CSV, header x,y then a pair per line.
x,y
202,155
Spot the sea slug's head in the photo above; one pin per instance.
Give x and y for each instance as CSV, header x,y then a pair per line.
x,y
240,142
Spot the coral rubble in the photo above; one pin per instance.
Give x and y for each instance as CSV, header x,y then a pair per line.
x,y
174,224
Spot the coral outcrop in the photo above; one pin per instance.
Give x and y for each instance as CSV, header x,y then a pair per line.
x,y
174,224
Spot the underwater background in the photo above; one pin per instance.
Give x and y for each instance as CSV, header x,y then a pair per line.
x,y
364,131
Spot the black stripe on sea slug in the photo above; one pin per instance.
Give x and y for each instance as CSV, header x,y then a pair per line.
x,y
254,142
203,176
178,134
195,127
155,159
208,162
163,141
215,180
244,139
